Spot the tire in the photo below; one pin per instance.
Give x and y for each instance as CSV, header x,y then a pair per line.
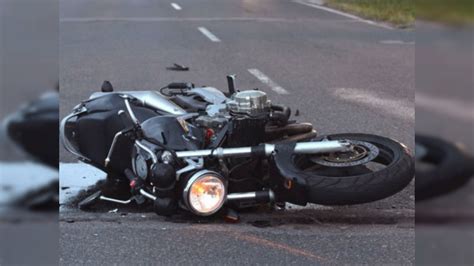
x,y
451,168
359,184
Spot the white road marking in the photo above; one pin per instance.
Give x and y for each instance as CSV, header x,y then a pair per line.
x,y
176,6
347,15
77,177
449,107
266,80
209,34
403,109
396,42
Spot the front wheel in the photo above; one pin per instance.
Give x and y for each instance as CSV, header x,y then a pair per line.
x,y
376,168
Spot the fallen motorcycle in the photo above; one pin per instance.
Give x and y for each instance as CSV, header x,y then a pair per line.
x,y
205,151
35,119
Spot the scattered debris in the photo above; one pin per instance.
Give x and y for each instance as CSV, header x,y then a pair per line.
x,y
178,67
113,211
70,221
64,188
261,223
297,113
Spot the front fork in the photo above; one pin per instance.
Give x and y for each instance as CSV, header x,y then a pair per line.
x,y
265,150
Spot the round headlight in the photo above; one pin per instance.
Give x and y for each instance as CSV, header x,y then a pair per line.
x,y
205,193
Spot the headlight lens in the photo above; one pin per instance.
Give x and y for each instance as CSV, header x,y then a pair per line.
x,y
205,193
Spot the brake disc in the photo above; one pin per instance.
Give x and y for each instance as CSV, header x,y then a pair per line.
x,y
362,152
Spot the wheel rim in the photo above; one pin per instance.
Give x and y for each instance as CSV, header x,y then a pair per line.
x,y
362,152
365,162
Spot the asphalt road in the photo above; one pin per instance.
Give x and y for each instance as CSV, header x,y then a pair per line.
x,y
445,109
343,75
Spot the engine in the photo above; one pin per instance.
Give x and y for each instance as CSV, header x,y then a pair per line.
x,y
242,117
250,112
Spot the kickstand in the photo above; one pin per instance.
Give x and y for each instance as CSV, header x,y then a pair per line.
x,y
97,196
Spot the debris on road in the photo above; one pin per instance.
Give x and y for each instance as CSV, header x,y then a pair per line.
x,y
178,67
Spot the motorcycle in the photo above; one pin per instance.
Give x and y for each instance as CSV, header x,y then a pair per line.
x,y
38,118
205,151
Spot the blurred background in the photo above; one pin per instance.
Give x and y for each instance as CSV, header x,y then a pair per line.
x,y
445,111
28,177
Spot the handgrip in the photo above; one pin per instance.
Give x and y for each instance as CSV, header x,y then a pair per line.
x,y
180,85
231,84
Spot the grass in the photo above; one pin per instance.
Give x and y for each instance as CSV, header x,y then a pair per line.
x,y
456,12
400,13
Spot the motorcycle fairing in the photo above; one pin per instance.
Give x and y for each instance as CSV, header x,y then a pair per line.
x,y
168,131
92,131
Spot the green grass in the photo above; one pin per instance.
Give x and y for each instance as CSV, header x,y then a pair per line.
x,y
457,12
398,12
402,13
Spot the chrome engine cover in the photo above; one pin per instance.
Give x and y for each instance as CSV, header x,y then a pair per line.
x,y
251,102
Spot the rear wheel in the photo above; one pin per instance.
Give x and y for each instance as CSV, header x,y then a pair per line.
x,y
376,168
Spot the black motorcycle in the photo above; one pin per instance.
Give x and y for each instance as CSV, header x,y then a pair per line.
x,y
34,129
199,149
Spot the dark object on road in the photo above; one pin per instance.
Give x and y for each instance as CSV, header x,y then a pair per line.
x,y
107,86
441,167
261,223
198,149
178,67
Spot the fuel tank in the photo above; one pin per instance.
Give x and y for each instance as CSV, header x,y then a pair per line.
x,y
150,99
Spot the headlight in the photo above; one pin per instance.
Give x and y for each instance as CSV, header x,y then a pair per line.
x,y
204,193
